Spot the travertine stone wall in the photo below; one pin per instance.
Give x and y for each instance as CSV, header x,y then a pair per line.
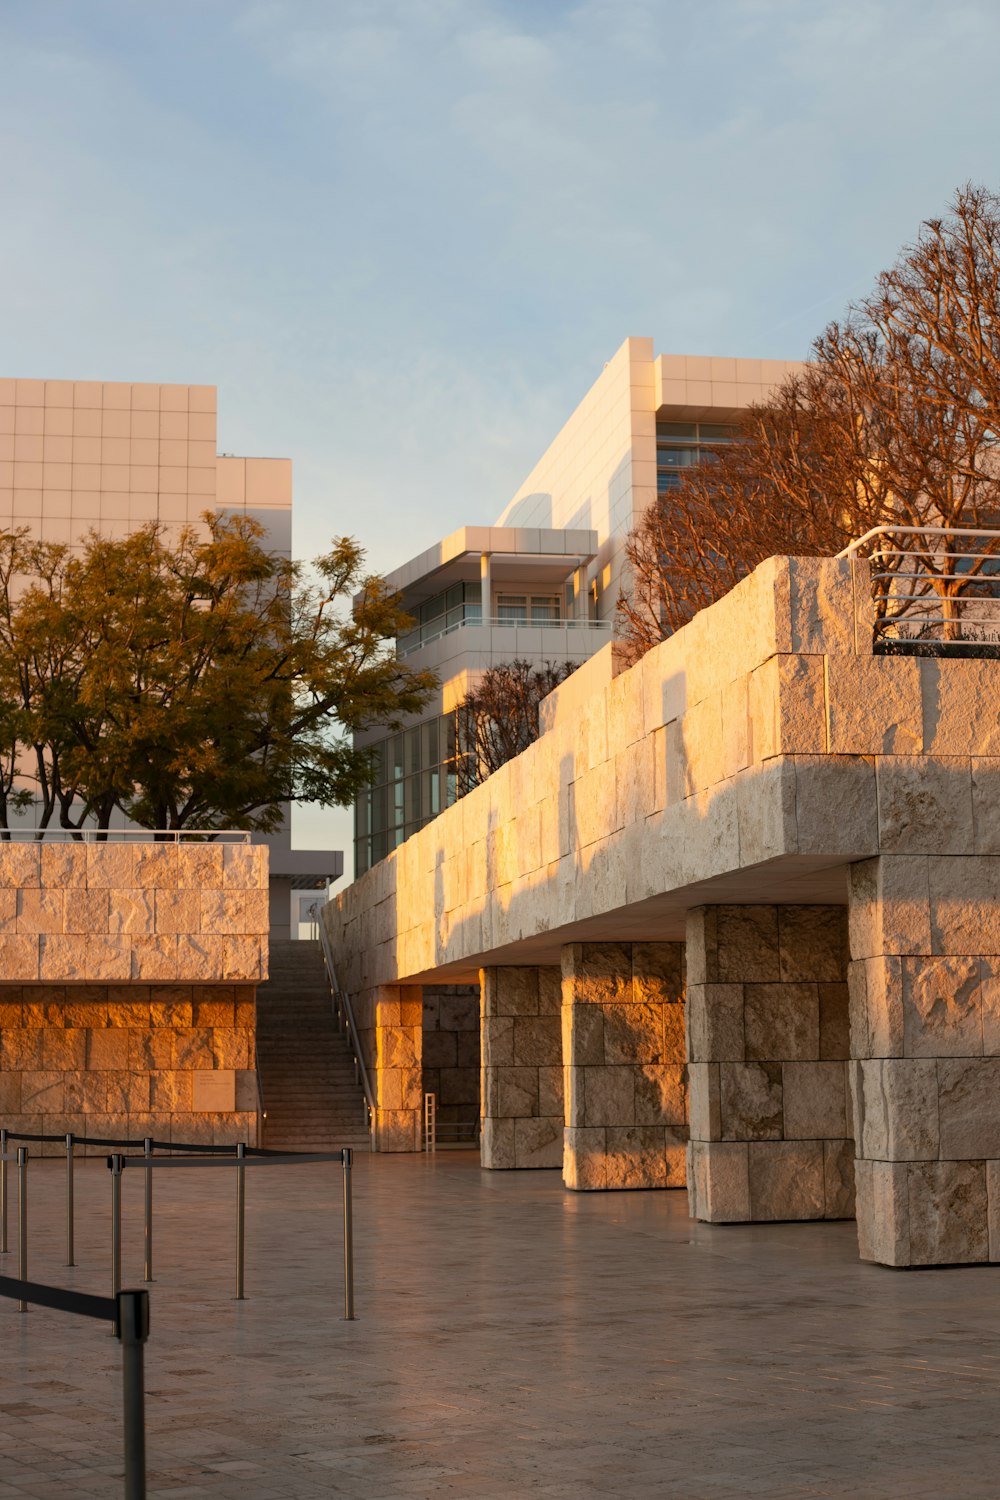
x,y
390,1022
451,1052
144,912
623,1053
925,1028
171,1061
768,1042
522,1079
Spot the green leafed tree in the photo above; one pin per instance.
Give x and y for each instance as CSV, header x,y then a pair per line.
x,y
193,681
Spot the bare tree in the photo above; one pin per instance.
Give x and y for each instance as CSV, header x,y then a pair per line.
x,y
895,421
499,718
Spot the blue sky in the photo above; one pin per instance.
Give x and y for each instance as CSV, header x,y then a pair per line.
x,y
403,236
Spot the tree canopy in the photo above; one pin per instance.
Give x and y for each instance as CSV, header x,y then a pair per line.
x,y
190,681
895,420
499,717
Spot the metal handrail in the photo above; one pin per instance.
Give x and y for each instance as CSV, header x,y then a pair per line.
x,y
342,1001
852,547
407,644
926,587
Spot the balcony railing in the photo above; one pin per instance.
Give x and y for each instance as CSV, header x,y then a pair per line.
x,y
434,630
936,590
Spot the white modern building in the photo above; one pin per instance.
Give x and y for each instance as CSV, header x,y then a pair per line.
x,y
543,582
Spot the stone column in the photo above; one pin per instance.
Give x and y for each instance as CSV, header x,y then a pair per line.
x,y
396,1016
925,1033
521,1087
768,1046
623,1051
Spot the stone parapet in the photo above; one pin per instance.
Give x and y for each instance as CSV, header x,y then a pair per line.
x,y
522,1074
117,913
623,1055
768,1042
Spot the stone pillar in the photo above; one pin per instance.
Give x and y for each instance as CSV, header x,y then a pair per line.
x,y
451,1058
521,1088
623,1052
768,1046
925,1033
396,1016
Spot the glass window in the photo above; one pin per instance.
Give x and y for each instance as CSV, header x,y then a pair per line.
x,y
544,609
512,609
675,430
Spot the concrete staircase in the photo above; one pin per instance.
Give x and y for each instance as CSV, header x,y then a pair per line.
x,y
311,1098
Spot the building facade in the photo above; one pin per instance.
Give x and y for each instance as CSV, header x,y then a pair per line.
x,y
542,584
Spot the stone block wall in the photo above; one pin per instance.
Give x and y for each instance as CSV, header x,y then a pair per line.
x,y
129,1060
925,1025
451,1053
625,1074
768,1042
390,1024
522,1076
147,913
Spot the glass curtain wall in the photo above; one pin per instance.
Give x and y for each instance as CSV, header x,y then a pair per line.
x,y
679,445
413,779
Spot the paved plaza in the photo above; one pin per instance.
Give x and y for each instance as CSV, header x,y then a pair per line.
x,y
513,1340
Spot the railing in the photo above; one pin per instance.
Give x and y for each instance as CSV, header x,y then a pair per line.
x,y
343,1010
139,835
936,589
407,644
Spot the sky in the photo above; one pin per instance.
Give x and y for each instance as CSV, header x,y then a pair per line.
x,y
403,236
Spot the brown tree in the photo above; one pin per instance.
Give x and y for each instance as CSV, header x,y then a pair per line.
x,y
895,421
499,718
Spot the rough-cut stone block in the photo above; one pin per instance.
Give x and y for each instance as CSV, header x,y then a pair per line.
x,y
537,1041
128,1005
64,1048
704,1101
86,1092
719,1182
959,701
989,990
85,1005
925,805
497,1144
177,912
193,1048
244,867
986,805
838,1170
993,1207
873,705
10,1094
948,1213
172,1005
715,1023
8,910
107,1050
517,1092
155,866
154,957
883,1212
746,945
787,1180
20,865
889,906
846,783
43,1093
661,1094
497,1041
201,958
599,973
88,911
41,910
813,943
633,1033
782,1021
128,1092
583,1034
898,1109
942,1007
751,1101
636,1157
538,1142
170,1090
969,1106
398,1047
585,1159
965,904
200,867
658,972
834,1022
110,867
609,1096
242,959
814,1096
88,958
148,1050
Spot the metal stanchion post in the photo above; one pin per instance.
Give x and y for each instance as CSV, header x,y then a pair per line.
x,y
133,1330
348,1156
241,1172
148,1231
69,1199
116,1224
22,1218
3,1193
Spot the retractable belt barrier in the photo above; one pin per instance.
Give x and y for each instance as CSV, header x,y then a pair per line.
x,y
128,1313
